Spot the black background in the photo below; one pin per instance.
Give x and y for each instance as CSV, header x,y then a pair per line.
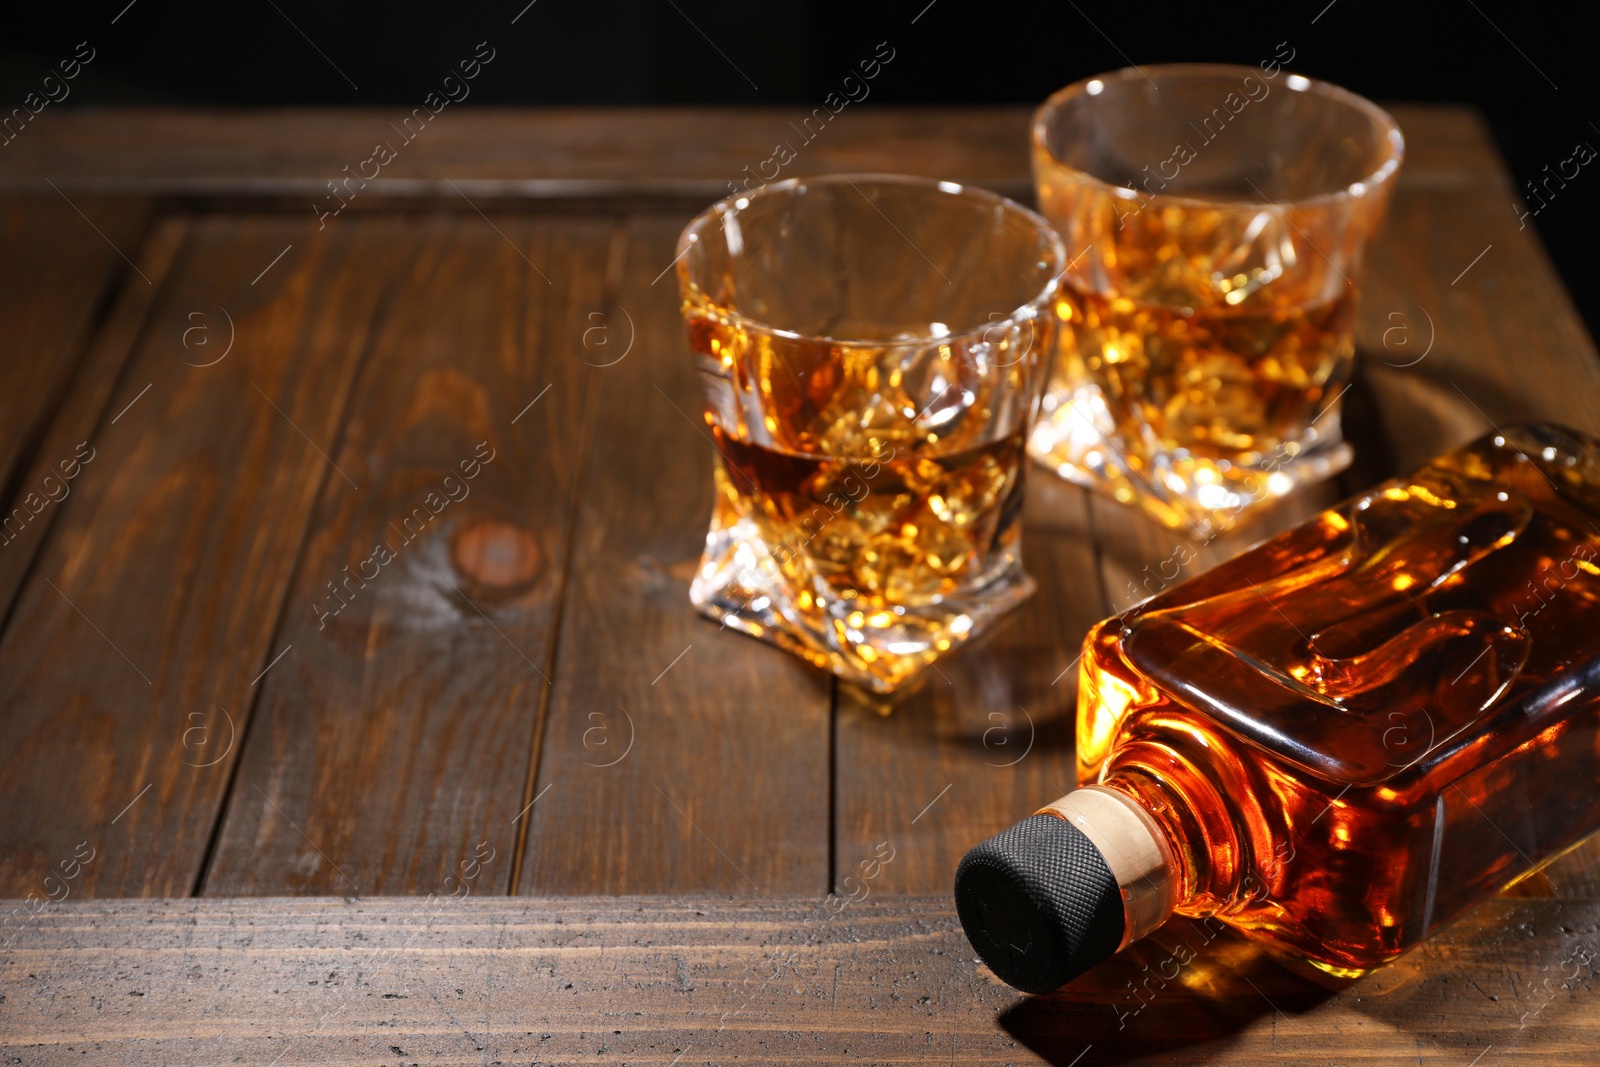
x,y
1527,67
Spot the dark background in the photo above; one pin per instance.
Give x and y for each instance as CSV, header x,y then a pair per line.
x,y
1528,69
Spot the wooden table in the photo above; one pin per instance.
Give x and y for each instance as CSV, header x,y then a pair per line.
x,y
502,796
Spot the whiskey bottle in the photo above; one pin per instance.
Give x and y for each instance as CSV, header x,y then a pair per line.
x,y
1335,743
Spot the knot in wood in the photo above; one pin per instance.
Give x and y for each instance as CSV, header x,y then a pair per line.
x,y
495,554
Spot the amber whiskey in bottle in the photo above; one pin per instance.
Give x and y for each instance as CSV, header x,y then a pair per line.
x,y
1336,742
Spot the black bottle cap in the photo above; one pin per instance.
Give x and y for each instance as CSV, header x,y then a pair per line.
x,y
1039,903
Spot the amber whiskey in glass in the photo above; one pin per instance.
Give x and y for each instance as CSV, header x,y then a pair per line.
x,y
1218,219
872,350
1338,741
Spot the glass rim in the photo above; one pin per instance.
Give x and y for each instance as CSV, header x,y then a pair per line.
x,y
1027,310
1393,136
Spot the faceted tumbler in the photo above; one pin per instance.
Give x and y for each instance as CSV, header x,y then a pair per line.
x,y
1216,219
872,349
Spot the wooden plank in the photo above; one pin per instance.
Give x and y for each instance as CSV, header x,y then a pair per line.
x,y
652,981
717,744
61,428
394,738
1449,145
1465,319
564,152
664,152
127,665
59,268
1507,343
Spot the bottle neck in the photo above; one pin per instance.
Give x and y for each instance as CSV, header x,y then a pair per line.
x,y
1135,848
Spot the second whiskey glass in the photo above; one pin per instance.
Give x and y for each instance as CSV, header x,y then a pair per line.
x,y
1216,218
872,349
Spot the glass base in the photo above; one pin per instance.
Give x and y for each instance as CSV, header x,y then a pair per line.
x,y
741,585
1202,497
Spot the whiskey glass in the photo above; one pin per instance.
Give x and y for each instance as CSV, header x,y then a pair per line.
x,y
1216,220
872,349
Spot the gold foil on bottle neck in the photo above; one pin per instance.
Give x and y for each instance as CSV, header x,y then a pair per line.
x,y
1134,848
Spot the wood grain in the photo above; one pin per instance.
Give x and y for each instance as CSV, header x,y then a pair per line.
x,y
679,756
126,667
48,436
641,153
60,266
393,740
671,153
647,980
